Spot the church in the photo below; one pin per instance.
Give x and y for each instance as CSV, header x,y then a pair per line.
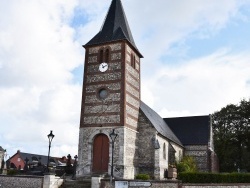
x,y
111,102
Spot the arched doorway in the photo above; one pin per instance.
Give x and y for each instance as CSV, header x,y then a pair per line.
x,y
100,154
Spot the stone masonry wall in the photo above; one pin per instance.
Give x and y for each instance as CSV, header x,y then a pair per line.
x,y
154,184
146,150
215,186
132,88
124,151
177,184
151,160
130,153
85,149
21,182
200,154
161,158
95,111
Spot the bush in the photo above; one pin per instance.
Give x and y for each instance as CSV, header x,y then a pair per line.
x,y
187,164
142,177
12,172
214,178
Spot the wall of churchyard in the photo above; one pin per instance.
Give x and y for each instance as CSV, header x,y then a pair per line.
x,y
214,186
154,184
175,184
21,181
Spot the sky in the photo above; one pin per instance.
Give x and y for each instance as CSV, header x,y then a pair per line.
x,y
196,61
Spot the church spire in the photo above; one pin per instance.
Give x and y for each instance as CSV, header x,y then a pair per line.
x,y
115,27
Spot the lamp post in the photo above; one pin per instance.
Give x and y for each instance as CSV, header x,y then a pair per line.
x,y
113,136
50,137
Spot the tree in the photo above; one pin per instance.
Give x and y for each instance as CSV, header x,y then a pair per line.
x,y
231,127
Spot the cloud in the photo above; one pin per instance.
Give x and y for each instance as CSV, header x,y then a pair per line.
x,y
200,86
38,53
159,24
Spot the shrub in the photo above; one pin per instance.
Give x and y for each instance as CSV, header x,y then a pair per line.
x,y
12,172
187,164
142,177
214,177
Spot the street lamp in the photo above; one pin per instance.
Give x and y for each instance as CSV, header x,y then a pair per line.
x,y
50,137
113,137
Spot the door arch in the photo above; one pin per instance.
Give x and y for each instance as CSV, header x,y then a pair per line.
x,y
100,154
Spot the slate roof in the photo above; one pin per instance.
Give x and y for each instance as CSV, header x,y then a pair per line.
x,y
115,27
194,130
160,125
43,159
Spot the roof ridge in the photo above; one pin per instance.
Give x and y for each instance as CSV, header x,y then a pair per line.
x,y
158,122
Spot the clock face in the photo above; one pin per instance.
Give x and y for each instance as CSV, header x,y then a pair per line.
x,y
103,67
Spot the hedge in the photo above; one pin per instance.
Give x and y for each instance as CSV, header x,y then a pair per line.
x,y
142,177
187,177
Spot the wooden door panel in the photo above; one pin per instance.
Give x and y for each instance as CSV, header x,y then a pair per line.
x,y
100,154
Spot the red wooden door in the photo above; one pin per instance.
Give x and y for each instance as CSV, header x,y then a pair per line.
x,y
100,154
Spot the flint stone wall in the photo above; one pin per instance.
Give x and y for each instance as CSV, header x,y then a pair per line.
x,y
200,155
124,151
105,183
178,184
146,151
21,181
215,186
155,184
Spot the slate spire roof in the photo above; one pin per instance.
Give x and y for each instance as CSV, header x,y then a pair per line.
x,y
115,27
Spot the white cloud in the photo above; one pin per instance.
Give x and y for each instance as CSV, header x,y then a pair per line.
x,y
38,53
159,24
200,86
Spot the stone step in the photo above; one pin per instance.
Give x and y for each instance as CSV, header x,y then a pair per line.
x,y
77,184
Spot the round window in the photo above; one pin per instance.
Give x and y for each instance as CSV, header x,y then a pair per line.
x,y
103,93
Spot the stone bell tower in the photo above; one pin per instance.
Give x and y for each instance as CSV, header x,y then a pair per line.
x,y
110,98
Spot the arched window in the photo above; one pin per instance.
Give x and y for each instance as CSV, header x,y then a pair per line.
x,y
134,63
101,56
132,60
171,154
164,151
107,55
